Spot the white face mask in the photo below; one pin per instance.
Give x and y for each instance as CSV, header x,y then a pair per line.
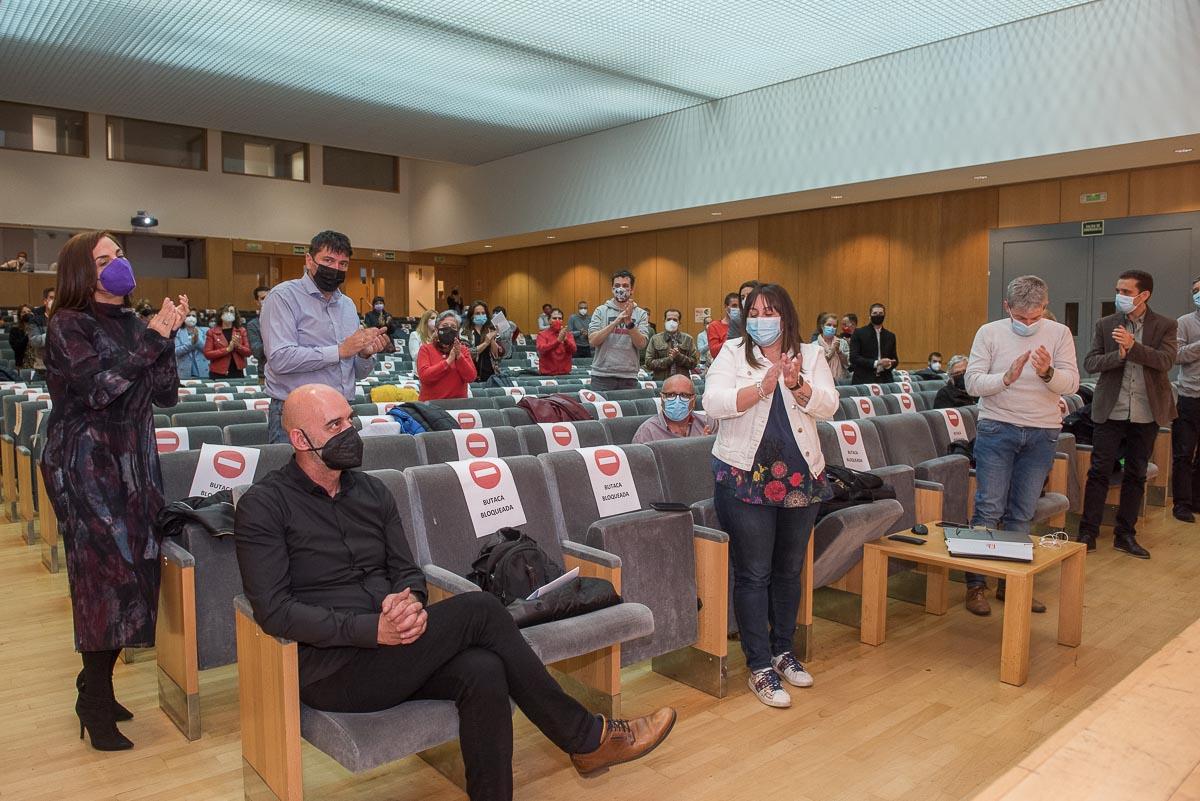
x,y
228,317
936,366
582,310
672,326
620,293
190,322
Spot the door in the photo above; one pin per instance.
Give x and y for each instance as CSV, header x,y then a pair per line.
x,y
422,290
1063,265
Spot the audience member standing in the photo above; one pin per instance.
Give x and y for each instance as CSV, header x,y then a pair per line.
x,y
254,329
768,392
618,330
873,350
444,365
18,335
849,325
481,335
1185,431
1132,350
543,321
190,342
672,352
555,346
105,369
226,346
424,332
1019,368
835,349
578,325
455,303
719,331
311,333
35,329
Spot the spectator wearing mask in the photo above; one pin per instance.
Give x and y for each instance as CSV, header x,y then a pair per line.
x,y
444,365
508,336
454,303
254,328
933,369
617,331
1019,367
873,350
1132,350
311,332
719,331
1185,431
42,313
18,264
226,346
671,352
378,316
35,329
555,346
484,341
678,416
768,390
702,342
578,326
424,332
543,321
954,394
835,349
190,342
848,325
18,336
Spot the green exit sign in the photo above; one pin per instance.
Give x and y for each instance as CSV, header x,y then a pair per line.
x,y
1093,197
299,250
389,255
1092,228
254,246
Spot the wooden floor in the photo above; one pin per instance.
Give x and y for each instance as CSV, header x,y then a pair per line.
x,y
922,717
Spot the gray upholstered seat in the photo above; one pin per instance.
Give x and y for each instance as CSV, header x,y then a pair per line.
x,y
900,477
479,418
516,416
442,446
589,434
894,403
219,419
477,402
620,430
243,434
391,451
605,410
179,467
906,439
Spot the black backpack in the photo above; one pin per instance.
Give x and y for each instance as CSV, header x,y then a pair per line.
x,y
962,447
1080,423
511,565
851,488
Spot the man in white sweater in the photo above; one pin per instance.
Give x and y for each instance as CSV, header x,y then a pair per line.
x,y
1018,368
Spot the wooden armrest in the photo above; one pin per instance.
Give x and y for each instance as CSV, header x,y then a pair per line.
x,y
712,585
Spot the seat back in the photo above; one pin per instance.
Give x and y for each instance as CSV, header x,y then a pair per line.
x,y
219,419
25,422
246,434
476,402
588,433
906,439
189,438
621,429
936,420
832,451
903,403
516,416
179,467
442,446
479,418
570,485
391,452
685,465
188,407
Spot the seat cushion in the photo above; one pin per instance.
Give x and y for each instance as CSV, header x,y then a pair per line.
x,y
362,741
563,639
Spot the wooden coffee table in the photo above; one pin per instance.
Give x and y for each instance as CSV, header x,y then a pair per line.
x,y
1014,648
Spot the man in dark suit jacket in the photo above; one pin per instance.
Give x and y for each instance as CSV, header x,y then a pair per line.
x,y
873,351
1132,351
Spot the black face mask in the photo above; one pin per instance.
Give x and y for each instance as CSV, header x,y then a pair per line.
x,y
328,279
447,337
877,319
342,451
959,382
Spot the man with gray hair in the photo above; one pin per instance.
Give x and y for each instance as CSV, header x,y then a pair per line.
x,y
1018,368
1185,431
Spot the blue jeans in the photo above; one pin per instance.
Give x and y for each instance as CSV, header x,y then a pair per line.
x,y
767,545
1011,466
275,432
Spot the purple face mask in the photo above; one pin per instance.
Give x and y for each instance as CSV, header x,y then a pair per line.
x,y
117,277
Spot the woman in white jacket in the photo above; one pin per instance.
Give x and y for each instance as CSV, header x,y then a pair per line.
x,y
768,390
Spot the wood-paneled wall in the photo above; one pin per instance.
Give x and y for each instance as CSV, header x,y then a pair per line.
x,y
925,257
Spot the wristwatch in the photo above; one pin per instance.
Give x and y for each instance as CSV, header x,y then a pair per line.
x,y
799,384
1049,375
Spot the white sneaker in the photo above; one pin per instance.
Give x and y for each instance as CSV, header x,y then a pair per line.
x,y
788,666
766,685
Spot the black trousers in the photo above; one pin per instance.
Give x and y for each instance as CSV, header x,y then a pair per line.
x,y
1113,440
1185,457
473,654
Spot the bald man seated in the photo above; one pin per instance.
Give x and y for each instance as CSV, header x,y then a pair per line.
x,y
324,562
678,416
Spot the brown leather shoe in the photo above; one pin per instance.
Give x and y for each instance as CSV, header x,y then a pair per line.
x,y
626,740
1035,605
977,601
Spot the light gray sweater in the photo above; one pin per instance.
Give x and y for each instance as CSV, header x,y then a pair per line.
x,y
1028,401
1188,356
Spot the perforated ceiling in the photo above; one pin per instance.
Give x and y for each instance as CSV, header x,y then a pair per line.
x,y
464,81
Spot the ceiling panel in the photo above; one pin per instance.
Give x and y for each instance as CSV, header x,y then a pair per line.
x,y
464,81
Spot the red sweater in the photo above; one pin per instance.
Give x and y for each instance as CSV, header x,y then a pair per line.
x,y
718,332
554,357
440,379
215,344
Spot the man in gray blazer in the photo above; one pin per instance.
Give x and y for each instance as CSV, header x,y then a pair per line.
x,y
1132,351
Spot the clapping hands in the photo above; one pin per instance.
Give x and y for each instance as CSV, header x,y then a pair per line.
x,y
169,318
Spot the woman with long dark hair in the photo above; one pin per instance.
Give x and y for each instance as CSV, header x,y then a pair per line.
x,y
769,389
105,367
484,340
227,346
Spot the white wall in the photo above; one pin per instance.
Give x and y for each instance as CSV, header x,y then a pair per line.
x,y
59,191
1108,73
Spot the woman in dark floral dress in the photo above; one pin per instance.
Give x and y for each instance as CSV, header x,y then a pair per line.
x,y
768,389
105,367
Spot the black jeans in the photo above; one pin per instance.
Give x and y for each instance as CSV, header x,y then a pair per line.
x,y
767,545
1111,441
1185,458
473,654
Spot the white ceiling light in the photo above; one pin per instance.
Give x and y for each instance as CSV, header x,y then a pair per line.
x,y
1183,150
980,177
450,80
551,237
487,246
836,197
715,213
624,226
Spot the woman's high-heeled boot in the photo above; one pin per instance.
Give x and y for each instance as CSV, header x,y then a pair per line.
x,y
121,712
96,706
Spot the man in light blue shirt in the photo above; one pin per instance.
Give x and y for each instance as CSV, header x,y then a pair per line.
x,y
311,332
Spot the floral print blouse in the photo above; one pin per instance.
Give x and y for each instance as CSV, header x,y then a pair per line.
x,y
780,475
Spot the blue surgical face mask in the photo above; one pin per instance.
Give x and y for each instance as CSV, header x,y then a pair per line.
x,y
1196,299
763,330
828,330
479,319
1124,303
1022,330
677,409
734,313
